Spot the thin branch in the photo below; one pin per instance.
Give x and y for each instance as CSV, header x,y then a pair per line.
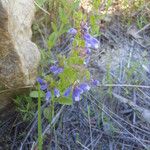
x,y
125,85
41,8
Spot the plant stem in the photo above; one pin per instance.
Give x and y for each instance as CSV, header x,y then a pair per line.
x,y
52,109
40,140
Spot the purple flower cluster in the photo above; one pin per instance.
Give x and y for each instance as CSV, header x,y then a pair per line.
x,y
78,90
43,83
44,87
90,42
83,87
71,35
76,94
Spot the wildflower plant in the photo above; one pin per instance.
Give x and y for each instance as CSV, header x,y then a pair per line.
x,y
68,77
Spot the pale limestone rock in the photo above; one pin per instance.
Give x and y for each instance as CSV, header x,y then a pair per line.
x,y
19,56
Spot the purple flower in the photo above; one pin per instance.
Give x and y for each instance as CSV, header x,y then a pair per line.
x,y
76,93
95,82
87,37
53,68
72,31
94,43
40,80
48,96
84,87
94,40
43,86
67,92
90,41
56,70
56,92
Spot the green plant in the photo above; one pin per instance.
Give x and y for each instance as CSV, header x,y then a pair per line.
x,y
74,70
63,87
26,106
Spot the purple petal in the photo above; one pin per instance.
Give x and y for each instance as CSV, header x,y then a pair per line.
x,y
88,45
94,40
72,31
56,92
48,96
43,87
67,92
53,68
58,71
94,43
76,93
84,87
40,80
90,41
87,37
95,82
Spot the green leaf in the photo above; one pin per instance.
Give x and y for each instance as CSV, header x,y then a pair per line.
x,y
65,100
96,4
75,59
54,26
49,78
52,39
63,16
34,94
87,75
68,77
63,28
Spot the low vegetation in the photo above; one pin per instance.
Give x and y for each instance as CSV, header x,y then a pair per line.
x,y
93,87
